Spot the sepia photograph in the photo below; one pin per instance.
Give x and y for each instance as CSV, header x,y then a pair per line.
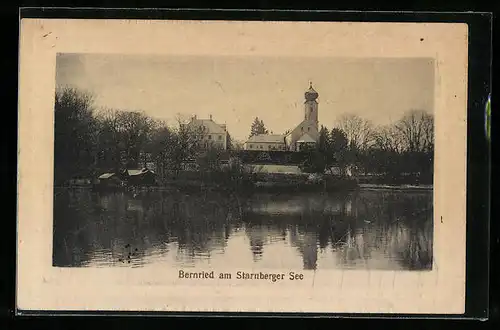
x,y
232,166
260,162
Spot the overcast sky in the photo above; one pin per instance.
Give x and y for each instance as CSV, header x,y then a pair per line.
x,y
237,89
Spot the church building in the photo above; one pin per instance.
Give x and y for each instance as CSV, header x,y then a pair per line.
x,y
304,135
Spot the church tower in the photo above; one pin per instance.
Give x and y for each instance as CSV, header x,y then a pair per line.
x,y
311,105
307,132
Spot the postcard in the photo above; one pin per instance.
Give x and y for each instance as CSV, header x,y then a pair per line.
x,y
242,166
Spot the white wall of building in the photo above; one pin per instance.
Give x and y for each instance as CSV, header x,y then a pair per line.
x,y
265,146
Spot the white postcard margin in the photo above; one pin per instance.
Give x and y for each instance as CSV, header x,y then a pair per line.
x,y
43,287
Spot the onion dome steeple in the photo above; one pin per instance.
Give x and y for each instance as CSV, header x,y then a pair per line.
x,y
311,94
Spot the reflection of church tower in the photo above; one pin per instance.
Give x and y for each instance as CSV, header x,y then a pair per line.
x,y
257,239
257,247
311,105
307,245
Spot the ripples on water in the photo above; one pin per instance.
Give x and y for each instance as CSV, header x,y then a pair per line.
x,y
362,229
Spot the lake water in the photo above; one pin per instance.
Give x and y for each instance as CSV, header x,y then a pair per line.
x,y
389,230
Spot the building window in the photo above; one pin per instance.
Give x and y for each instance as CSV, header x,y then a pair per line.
x,y
210,137
251,146
302,129
308,129
220,137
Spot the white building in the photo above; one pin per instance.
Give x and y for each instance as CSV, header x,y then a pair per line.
x,y
266,142
214,134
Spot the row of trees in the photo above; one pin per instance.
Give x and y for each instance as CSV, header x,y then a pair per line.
x,y
90,141
402,148
405,147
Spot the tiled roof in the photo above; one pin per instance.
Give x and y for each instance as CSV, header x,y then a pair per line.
x,y
138,172
304,123
306,138
210,125
267,138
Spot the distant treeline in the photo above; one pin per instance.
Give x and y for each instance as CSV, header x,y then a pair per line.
x,y
90,141
404,148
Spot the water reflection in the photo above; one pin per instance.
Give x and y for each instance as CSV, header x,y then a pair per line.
x,y
364,229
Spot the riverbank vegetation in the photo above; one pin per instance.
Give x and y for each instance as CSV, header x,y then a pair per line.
x,y
90,141
401,152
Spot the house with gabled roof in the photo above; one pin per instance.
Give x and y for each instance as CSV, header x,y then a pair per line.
x,y
141,176
213,134
266,142
110,179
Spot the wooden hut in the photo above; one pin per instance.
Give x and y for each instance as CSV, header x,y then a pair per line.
x,y
141,177
109,180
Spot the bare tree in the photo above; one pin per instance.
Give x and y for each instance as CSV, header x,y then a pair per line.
x,y
428,128
417,131
108,142
236,145
182,143
75,134
387,138
124,136
162,148
191,136
135,130
359,131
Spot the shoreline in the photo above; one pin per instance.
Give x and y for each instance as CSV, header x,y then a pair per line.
x,y
402,187
341,185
